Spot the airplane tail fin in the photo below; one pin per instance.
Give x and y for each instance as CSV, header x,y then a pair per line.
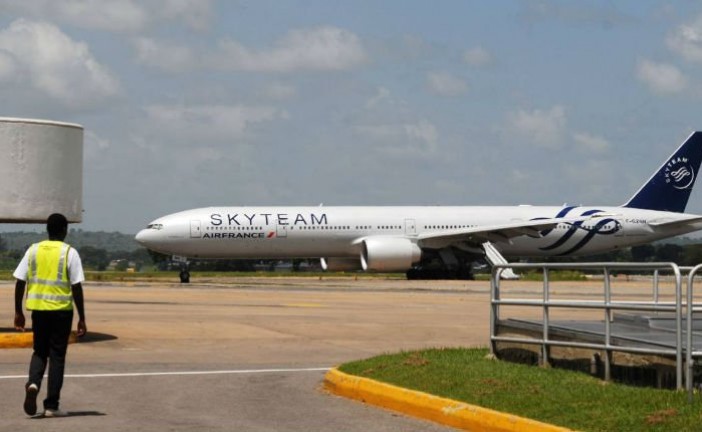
x,y
670,186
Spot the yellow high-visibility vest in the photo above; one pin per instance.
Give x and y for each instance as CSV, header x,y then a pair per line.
x,y
49,288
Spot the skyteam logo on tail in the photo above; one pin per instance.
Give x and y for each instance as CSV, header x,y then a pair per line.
x,y
679,173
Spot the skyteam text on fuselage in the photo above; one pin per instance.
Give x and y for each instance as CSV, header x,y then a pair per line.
x,y
410,238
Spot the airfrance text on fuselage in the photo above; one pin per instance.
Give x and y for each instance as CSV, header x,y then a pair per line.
x,y
239,219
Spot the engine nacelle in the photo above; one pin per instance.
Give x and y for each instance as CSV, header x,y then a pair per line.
x,y
389,254
340,264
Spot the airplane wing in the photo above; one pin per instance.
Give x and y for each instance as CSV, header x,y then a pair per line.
x,y
674,222
501,232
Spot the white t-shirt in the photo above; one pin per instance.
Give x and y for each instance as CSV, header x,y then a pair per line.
x,y
75,267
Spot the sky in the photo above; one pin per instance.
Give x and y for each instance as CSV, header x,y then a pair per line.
x,y
196,103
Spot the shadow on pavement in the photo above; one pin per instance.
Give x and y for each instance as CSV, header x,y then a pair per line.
x,y
96,337
71,414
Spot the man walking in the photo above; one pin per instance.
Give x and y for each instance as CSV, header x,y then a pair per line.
x,y
52,272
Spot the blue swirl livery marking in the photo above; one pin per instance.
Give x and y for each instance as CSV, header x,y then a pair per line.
x,y
599,228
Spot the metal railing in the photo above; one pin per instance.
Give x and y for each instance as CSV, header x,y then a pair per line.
x,y
546,303
690,352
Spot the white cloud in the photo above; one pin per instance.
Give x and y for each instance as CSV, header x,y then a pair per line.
x,y
408,139
164,56
382,94
316,49
542,128
520,176
197,14
320,48
477,57
7,67
125,15
593,178
445,84
414,47
661,78
94,140
686,40
583,13
423,131
279,91
115,16
94,145
209,122
590,143
54,64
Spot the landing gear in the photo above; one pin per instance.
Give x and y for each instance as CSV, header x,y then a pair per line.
x,y
184,268
439,273
443,264
184,273
465,273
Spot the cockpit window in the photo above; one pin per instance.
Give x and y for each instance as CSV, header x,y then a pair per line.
x,y
154,226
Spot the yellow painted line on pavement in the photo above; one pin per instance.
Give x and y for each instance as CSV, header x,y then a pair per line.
x,y
423,405
25,339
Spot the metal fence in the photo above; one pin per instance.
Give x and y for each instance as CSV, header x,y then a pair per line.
x,y
692,307
679,307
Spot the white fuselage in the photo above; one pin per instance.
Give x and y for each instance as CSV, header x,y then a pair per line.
x,y
314,232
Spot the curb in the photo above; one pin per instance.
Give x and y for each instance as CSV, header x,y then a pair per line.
x,y
25,339
423,405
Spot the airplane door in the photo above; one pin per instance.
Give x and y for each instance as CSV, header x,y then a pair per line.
x,y
281,231
410,227
195,229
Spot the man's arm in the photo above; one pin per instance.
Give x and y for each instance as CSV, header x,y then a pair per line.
x,y
19,296
78,301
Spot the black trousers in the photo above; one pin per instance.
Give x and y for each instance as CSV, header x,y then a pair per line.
x,y
51,331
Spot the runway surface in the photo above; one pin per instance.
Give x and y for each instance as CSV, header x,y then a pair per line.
x,y
240,354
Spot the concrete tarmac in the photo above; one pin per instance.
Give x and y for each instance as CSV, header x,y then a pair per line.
x,y
240,353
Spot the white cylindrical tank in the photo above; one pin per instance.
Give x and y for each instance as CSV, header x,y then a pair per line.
x,y
41,170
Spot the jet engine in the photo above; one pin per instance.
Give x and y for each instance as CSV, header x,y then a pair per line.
x,y
389,254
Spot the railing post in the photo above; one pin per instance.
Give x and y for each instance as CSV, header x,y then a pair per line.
x,y
494,308
678,328
545,351
608,325
656,284
689,314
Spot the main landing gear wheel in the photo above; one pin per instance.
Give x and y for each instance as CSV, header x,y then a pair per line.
x,y
439,274
184,275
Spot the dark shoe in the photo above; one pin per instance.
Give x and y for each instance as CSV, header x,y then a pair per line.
x,y
30,399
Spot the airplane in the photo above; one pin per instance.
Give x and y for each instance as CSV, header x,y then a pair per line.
x,y
419,239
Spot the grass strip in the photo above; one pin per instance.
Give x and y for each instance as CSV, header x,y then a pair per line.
x,y
565,398
173,276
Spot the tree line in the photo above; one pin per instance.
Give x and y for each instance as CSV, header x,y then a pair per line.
x,y
103,257
688,254
138,258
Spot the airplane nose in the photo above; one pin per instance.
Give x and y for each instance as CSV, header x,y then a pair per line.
x,y
142,237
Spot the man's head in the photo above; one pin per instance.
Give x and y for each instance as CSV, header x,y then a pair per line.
x,y
57,226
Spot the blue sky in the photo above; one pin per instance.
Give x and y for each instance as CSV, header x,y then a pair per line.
x,y
190,103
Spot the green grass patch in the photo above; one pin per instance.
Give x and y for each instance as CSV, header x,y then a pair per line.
x,y
554,275
195,276
538,276
173,276
565,398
